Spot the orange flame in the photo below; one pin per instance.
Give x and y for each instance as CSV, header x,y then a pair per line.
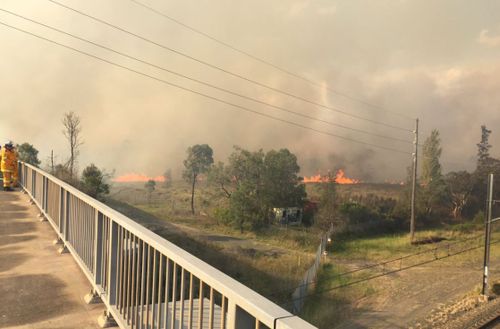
x,y
134,178
340,178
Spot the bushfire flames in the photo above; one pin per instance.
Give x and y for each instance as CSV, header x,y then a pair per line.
x,y
134,178
339,178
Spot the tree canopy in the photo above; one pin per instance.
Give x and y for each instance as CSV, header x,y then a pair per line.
x,y
460,189
483,148
93,182
431,167
433,185
150,186
28,153
198,161
256,182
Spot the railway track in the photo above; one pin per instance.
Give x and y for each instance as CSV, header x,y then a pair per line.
x,y
487,316
495,323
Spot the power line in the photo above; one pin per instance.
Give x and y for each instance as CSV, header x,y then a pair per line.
x,y
387,273
205,83
266,62
385,262
203,94
334,109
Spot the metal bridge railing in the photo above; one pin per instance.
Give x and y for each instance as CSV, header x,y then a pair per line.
x,y
144,280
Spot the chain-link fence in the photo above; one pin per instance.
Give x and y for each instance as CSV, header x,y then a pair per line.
x,y
309,280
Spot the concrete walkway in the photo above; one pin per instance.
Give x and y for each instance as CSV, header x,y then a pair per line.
x,y
38,287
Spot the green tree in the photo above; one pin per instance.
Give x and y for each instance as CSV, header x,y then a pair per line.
x,y
460,188
246,171
220,177
93,182
28,153
198,161
282,186
260,182
150,187
433,185
483,148
485,165
431,167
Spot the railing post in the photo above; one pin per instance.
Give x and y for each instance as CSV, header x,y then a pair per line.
x,y
113,251
61,210
237,318
46,194
20,173
231,315
66,216
33,184
42,197
64,221
98,245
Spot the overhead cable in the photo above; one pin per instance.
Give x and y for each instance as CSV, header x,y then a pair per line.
x,y
281,108
268,63
203,94
213,66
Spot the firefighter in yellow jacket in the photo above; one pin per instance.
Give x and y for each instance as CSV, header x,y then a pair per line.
x,y
8,165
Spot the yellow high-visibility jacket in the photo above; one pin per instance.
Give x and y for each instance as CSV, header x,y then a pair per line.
x,y
8,160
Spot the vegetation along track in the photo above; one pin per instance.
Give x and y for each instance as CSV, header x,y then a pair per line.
x,y
487,316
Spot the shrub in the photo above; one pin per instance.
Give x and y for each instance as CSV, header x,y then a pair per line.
x,y
479,217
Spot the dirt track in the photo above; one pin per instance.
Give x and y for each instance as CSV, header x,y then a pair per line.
x,y
409,296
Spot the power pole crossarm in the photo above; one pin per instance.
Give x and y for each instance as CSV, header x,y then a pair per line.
x,y
414,182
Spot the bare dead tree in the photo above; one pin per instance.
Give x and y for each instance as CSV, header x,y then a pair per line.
x,y
72,130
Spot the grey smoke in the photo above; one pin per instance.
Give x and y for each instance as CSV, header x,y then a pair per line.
x,y
420,58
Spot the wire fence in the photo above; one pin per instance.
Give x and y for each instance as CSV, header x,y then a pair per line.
x,y
436,254
388,263
309,280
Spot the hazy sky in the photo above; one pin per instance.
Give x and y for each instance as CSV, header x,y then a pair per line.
x,y
438,60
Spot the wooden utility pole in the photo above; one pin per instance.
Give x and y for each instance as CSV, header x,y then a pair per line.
x,y
487,234
414,182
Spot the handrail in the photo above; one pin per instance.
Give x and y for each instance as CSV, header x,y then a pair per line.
x,y
143,279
